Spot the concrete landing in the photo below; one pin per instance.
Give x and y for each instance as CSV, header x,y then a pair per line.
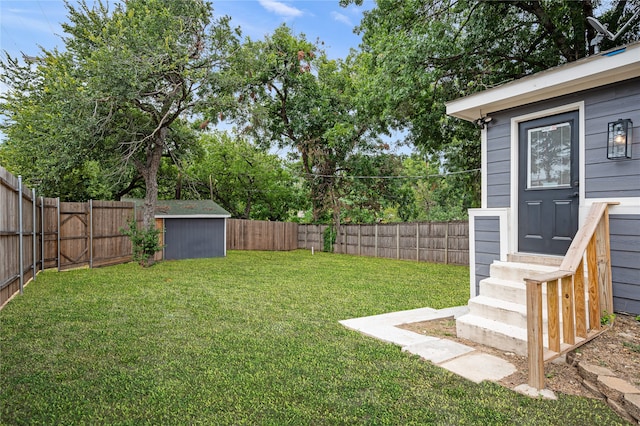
x,y
453,356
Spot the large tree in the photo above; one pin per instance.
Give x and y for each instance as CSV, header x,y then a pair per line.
x,y
295,97
421,53
44,143
135,72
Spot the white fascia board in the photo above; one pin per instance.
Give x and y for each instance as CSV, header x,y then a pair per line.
x,y
595,71
194,216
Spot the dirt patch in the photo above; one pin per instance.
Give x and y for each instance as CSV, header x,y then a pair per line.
x,y
617,349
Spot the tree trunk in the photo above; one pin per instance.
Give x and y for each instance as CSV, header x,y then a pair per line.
x,y
336,216
179,187
151,182
150,174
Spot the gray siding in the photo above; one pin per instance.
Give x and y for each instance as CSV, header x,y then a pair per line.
x,y
499,163
603,178
625,261
602,105
487,246
194,238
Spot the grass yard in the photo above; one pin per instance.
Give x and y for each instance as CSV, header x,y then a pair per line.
x,y
252,339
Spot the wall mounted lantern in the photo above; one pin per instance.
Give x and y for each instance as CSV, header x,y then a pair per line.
x,y
620,139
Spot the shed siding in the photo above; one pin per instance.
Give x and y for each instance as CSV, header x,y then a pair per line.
x,y
194,238
487,246
625,257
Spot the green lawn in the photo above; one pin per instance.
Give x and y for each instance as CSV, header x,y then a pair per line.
x,y
252,338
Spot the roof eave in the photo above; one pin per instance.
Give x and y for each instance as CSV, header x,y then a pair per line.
x,y
595,71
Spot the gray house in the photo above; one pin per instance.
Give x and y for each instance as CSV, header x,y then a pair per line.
x,y
554,145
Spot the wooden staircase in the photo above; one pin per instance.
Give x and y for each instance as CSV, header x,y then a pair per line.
x,y
498,315
544,306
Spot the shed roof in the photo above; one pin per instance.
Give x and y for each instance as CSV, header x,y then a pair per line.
x,y
187,209
598,70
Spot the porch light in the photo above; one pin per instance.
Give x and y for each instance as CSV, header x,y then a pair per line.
x,y
620,139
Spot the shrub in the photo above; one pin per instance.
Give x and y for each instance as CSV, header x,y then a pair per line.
x,y
145,242
329,239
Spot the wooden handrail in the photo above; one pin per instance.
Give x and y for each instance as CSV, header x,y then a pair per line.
x,y
576,250
566,287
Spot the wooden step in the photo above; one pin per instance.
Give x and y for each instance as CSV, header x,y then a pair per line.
x,y
536,259
517,272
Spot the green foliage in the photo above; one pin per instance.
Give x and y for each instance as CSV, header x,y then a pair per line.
x,y
417,55
120,93
145,242
252,338
607,318
432,193
247,181
294,97
329,239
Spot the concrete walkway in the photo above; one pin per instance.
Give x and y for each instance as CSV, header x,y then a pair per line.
x,y
453,356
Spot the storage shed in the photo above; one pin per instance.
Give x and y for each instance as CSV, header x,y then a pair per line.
x,y
192,229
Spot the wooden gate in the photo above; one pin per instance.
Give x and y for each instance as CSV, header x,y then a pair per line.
x,y
74,235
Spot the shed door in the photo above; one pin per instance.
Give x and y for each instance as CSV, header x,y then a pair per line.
x,y
548,184
194,238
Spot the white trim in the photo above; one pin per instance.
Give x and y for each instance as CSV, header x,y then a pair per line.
x,y
515,134
503,216
192,216
483,168
594,71
225,237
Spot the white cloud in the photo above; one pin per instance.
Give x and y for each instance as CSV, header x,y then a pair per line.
x,y
341,18
280,8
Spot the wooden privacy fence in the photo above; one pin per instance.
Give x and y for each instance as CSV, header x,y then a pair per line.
x,y
37,233
436,242
261,235
21,236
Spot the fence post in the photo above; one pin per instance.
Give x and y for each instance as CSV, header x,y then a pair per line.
x,y
42,233
33,201
359,239
417,241
376,242
446,244
90,233
20,232
58,231
398,241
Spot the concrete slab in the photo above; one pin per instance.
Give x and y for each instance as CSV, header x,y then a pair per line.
x,y
404,317
533,392
453,356
438,350
396,335
480,366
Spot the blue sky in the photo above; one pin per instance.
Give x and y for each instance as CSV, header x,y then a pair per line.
x,y
25,24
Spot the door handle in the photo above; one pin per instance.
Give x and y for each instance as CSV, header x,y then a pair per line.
x,y
574,195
